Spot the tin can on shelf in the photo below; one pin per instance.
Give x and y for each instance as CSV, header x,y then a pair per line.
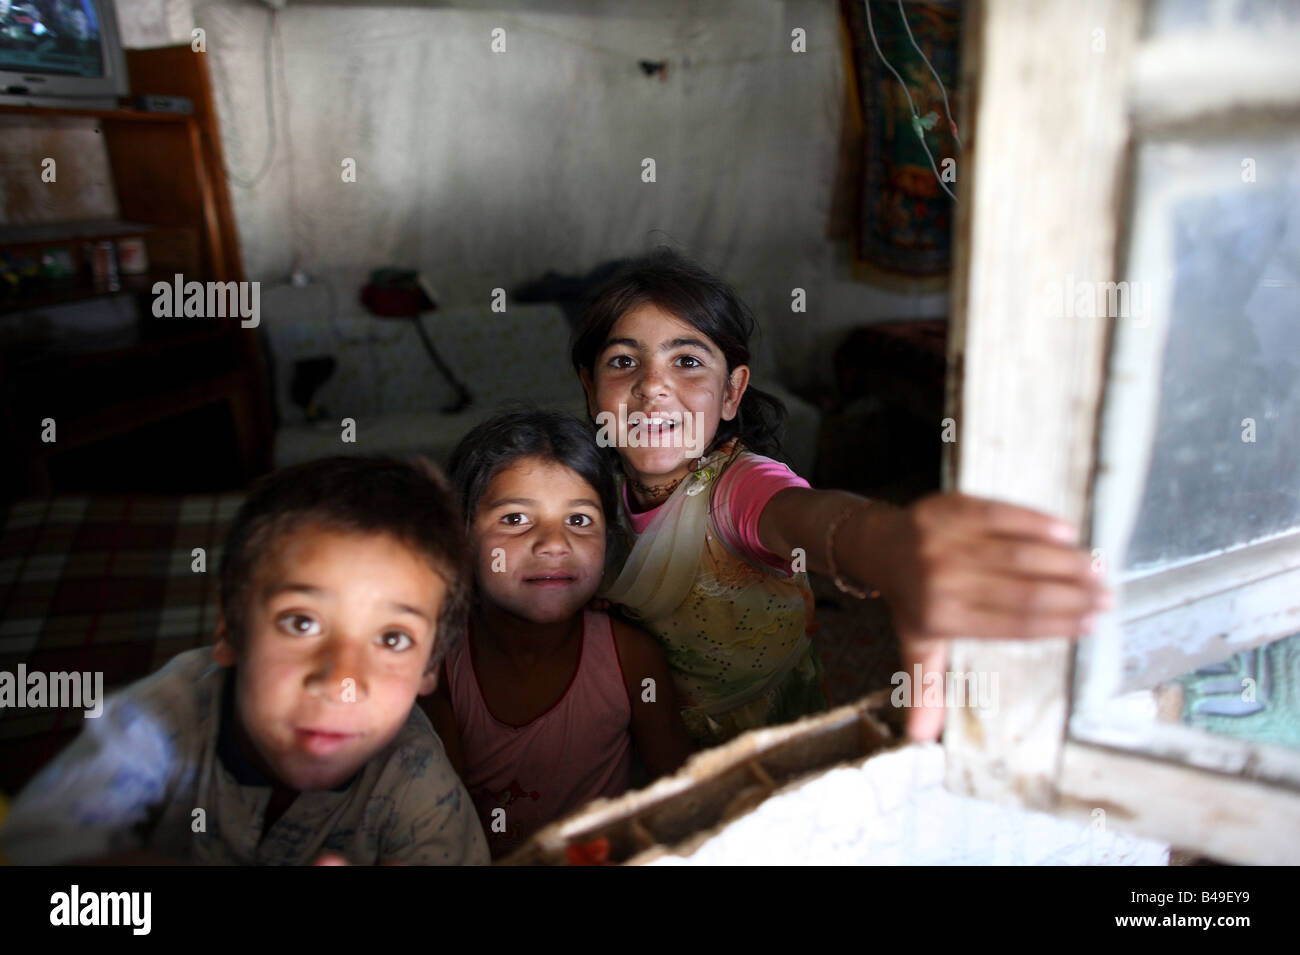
x,y
132,256
103,266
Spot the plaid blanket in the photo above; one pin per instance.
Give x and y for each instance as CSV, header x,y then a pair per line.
x,y
100,584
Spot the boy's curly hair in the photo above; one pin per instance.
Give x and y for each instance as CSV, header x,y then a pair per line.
x,y
411,502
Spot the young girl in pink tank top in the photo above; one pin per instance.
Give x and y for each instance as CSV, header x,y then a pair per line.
x,y
541,708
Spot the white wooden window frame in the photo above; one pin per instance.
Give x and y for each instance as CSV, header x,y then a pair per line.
x,y
1052,124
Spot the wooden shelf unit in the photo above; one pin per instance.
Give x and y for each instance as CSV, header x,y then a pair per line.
x,y
168,176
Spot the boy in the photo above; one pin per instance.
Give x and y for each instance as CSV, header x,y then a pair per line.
x,y
343,585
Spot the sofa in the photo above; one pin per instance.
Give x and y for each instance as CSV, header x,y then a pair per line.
x,y
385,381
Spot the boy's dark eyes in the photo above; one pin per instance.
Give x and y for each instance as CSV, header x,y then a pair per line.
x,y
298,623
305,625
510,519
584,520
691,358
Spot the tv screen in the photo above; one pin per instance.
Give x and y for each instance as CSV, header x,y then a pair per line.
x,y
61,53
58,37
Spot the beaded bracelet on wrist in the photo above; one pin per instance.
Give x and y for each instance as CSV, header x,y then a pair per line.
x,y
843,585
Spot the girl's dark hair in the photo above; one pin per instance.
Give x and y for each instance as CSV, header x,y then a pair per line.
x,y
412,502
696,296
522,431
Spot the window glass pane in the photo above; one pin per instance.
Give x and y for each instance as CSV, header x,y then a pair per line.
x,y
1168,17
1225,465
1254,695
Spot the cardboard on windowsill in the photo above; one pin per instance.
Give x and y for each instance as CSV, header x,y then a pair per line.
x,y
678,813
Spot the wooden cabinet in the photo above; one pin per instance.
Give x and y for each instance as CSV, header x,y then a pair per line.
x,y
183,374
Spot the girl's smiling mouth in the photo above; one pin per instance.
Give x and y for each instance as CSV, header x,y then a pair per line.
x,y
652,429
655,420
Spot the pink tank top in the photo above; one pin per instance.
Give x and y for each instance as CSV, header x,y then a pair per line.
x,y
578,750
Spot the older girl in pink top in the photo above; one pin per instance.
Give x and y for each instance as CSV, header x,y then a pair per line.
x,y
541,707
720,535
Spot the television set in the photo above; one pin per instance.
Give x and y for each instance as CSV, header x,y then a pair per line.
x,y
64,53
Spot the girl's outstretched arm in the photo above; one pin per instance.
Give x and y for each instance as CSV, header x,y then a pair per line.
x,y
950,565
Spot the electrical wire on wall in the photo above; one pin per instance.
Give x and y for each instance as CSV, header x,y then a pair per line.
x,y
270,113
947,110
918,125
273,63
294,237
